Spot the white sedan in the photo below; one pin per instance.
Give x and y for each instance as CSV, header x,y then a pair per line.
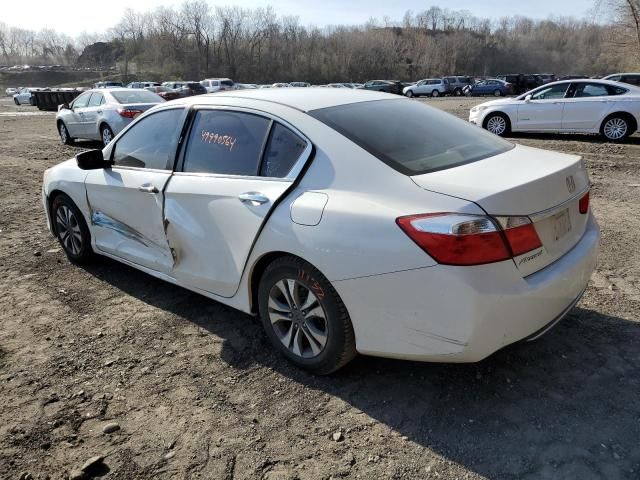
x,y
341,228
609,108
23,97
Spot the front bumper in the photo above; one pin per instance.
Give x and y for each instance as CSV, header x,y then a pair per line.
x,y
464,314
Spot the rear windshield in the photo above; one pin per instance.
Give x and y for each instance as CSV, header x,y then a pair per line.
x,y
136,96
411,137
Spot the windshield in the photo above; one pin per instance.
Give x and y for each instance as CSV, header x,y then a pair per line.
x,y
411,137
136,96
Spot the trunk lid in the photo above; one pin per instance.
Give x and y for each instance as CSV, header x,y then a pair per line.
x,y
545,186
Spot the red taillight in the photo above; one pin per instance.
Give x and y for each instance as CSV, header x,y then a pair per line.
x,y
129,112
460,239
455,239
583,204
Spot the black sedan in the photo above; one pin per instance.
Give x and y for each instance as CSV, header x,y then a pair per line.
x,y
389,86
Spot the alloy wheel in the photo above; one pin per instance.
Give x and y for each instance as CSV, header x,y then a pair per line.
x,y
298,319
615,129
497,125
107,136
68,230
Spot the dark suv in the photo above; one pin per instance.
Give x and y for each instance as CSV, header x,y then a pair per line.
x,y
389,86
518,82
455,85
189,89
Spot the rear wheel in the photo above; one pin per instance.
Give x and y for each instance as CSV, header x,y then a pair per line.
x,y
435,93
71,229
497,93
616,128
106,134
457,92
304,317
498,124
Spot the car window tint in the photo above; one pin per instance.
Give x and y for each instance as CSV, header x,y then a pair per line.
x,y
631,79
617,90
150,143
554,91
82,100
136,96
283,149
96,100
225,142
591,90
435,141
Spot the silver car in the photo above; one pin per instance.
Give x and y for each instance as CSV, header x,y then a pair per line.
x,y
101,114
433,87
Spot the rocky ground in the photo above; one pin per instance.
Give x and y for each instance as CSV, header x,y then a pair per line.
x,y
157,382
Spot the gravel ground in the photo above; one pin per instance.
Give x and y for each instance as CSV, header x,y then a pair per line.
x,y
197,393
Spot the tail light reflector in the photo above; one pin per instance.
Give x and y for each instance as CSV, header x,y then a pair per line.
x,y
461,239
128,112
583,204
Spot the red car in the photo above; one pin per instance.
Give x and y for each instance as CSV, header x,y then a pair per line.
x,y
165,92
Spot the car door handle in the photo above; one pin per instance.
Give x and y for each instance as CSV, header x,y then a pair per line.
x,y
254,198
146,188
98,111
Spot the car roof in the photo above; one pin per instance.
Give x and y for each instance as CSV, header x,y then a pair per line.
x,y
300,98
623,73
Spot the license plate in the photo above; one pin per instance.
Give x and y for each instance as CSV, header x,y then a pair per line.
x,y
561,224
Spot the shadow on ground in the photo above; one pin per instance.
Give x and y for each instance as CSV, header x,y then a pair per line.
x,y
565,406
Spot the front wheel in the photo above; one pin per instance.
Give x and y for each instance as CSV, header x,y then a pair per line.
x,y
409,94
106,134
497,93
435,93
15,100
498,124
64,134
304,317
71,229
615,128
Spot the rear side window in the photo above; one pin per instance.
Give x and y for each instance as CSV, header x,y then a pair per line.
x,y
151,143
591,90
136,96
226,142
283,149
631,79
97,99
435,141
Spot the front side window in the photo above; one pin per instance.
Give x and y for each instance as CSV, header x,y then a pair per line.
x,y
550,93
435,141
224,142
283,149
81,101
150,143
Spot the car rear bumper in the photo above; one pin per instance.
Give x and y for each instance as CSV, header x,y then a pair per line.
x,y
463,314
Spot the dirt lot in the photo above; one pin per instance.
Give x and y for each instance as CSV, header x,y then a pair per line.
x,y
198,393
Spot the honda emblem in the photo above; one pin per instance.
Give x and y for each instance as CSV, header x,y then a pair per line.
x,y
571,184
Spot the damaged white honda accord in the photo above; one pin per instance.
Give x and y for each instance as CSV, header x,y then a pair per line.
x,y
349,221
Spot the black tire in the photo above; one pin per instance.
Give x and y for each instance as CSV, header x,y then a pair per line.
x,y
104,131
64,134
409,94
616,128
339,348
497,119
457,92
435,93
77,247
497,93
15,100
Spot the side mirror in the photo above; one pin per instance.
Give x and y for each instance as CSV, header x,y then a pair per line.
x,y
92,160
527,99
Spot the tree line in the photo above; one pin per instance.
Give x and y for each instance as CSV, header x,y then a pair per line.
x,y
197,40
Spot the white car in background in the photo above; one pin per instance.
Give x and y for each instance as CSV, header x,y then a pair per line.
x,y
432,87
213,85
343,229
11,91
609,108
23,97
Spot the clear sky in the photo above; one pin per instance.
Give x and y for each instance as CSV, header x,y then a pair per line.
x,y
75,16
